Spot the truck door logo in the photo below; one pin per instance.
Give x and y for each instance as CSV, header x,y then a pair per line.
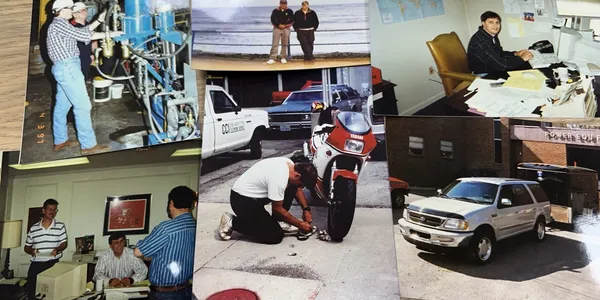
x,y
234,127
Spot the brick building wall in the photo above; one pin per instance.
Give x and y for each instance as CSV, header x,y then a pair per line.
x,y
474,149
431,169
550,153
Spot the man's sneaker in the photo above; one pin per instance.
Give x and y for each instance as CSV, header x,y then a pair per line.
x,y
283,61
271,61
288,228
226,226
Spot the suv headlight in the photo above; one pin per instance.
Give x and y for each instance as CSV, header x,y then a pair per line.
x,y
456,224
354,146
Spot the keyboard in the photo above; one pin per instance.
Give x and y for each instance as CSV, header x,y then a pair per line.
x,y
542,60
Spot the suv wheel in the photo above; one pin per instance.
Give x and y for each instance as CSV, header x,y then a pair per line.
x,y
481,247
540,229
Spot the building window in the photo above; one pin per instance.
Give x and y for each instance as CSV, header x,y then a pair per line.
x,y
415,145
447,149
497,141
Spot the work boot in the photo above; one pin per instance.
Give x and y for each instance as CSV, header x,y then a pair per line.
x,y
226,226
288,228
66,144
95,149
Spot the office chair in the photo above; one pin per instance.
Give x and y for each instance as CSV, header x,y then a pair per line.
x,y
451,59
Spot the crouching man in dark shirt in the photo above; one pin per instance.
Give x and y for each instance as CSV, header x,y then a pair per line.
x,y
485,53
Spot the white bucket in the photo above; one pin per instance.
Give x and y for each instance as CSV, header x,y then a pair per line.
x,y
101,90
116,91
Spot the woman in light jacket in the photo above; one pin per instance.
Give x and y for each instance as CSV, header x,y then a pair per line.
x,y
306,23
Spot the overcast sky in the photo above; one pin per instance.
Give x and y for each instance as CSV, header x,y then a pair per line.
x,y
274,3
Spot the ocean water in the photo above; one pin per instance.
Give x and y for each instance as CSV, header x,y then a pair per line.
x,y
248,30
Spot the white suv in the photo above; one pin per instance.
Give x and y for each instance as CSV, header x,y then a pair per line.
x,y
472,214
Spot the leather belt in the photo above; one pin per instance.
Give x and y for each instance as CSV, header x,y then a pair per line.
x,y
171,288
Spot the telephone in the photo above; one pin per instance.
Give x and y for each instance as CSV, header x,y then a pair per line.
x,y
543,47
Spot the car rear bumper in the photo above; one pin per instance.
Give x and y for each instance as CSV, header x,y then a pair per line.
x,y
433,238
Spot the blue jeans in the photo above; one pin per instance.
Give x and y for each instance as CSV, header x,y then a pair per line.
x,y
183,294
72,92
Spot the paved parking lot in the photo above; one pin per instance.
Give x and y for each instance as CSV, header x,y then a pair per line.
x,y
565,266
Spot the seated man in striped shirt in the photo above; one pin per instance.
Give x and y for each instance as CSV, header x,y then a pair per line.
x,y
170,245
118,266
46,240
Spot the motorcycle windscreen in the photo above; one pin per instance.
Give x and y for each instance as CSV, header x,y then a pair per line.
x,y
354,122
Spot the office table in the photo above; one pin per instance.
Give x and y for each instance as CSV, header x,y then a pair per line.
x,y
458,102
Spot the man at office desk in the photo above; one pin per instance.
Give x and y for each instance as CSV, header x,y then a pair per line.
x,y
118,266
485,53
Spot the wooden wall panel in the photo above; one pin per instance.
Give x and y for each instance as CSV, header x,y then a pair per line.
x,y
14,57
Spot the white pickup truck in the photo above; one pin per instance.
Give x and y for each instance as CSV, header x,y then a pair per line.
x,y
472,214
228,127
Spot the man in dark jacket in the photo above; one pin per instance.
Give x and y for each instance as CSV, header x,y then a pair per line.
x,y
306,23
485,53
80,14
282,19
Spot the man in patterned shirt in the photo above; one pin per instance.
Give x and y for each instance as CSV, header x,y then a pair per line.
x,y
71,90
118,266
46,240
485,53
170,245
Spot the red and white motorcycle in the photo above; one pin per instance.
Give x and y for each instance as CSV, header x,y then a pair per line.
x,y
339,152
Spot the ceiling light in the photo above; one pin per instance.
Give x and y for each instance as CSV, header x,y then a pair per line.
x,y
52,164
187,152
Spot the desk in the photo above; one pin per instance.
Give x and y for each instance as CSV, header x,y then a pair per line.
x,y
581,106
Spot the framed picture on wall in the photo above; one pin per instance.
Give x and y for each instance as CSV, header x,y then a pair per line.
x,y
35,214
127,214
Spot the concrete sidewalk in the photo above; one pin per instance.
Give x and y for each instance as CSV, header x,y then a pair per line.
x,y
363,266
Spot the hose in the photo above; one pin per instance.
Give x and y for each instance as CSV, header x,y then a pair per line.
x,y
185,43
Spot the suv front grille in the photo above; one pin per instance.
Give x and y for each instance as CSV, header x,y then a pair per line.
x,y
424,219
286,118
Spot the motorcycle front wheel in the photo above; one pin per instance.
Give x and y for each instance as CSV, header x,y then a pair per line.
x,y
341,209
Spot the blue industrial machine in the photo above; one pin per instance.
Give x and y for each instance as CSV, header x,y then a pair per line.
x,y
150,46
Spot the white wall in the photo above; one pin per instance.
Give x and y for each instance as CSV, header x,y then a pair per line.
x,y
81,197
474,9
400,52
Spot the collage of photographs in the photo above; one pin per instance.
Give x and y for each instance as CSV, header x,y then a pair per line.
x,y
302,150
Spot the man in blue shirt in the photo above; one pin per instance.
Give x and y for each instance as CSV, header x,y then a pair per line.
x,y
170,246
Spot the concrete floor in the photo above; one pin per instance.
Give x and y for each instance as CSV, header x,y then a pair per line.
x,y
360,267
118,123
565,266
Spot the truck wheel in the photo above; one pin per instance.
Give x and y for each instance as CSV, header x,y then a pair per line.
x,y
481,247
539,230
256,146
398,198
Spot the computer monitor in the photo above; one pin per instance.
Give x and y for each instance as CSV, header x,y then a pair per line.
x,y
577,8
63,281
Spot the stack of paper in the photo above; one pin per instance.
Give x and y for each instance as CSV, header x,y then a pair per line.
x,y
502,102
481,84
532,80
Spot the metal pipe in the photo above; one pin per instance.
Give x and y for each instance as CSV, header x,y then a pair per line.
x,y
98,50
185,44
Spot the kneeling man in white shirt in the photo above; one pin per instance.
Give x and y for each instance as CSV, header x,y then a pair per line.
x,y
118,266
